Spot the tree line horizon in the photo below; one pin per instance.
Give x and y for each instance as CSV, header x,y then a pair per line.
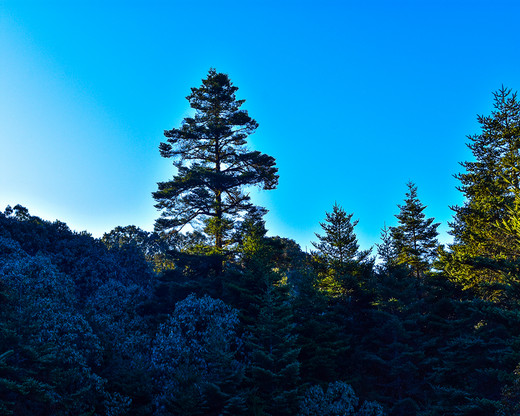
x,y
226,320
212,161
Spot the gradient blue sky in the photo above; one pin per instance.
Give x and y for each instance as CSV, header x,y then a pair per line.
x,y
353,98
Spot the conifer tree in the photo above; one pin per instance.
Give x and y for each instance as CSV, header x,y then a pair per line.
x,y
386,250
415,238
213,163
274,372
320,337
262,296
338,248
489,185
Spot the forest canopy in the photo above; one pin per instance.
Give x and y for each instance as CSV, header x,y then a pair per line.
x,y
223,319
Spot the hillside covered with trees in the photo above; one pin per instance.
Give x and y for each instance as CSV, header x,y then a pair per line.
x,y
208,315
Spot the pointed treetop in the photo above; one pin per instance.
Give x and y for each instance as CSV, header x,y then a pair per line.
x,y
339,244
213,165
415,238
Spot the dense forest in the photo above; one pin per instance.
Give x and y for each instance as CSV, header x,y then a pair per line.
x,y
208,315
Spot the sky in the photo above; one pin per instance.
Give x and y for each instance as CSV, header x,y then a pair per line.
x,y
353,100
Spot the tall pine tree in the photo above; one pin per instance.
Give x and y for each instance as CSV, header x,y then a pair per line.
x,y
213,163
489,185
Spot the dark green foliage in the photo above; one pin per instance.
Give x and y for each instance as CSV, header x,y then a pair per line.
x,y
20,391
475,358
213,163
490,186
114,313
61,357
385,357
510,402
143,323
54,348
78,255
415,238
338,246
127,240
273,374
320,338
258,259
338,260
196,268
386,251
262,295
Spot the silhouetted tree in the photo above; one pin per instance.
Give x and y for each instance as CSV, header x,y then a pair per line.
x,y
415,238
273,373
322,342
213,163
338,250
386,250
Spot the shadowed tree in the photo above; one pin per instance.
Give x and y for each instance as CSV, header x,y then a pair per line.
x,y
213,163
386,251
339,245
338,250
274,371
338,399
194,359
415,238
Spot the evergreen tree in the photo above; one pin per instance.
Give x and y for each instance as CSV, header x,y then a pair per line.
x,y
213,163
387,355
489,185
338,250
263,297
415,238
386,250
339,245
510,403
273,374
475,359
321,339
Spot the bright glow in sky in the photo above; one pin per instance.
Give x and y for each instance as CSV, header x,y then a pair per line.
x,y
353,98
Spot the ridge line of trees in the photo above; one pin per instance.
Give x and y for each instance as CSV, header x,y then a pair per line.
x,y
225,320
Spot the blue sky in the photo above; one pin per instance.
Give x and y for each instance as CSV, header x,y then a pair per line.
x,y
353,98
